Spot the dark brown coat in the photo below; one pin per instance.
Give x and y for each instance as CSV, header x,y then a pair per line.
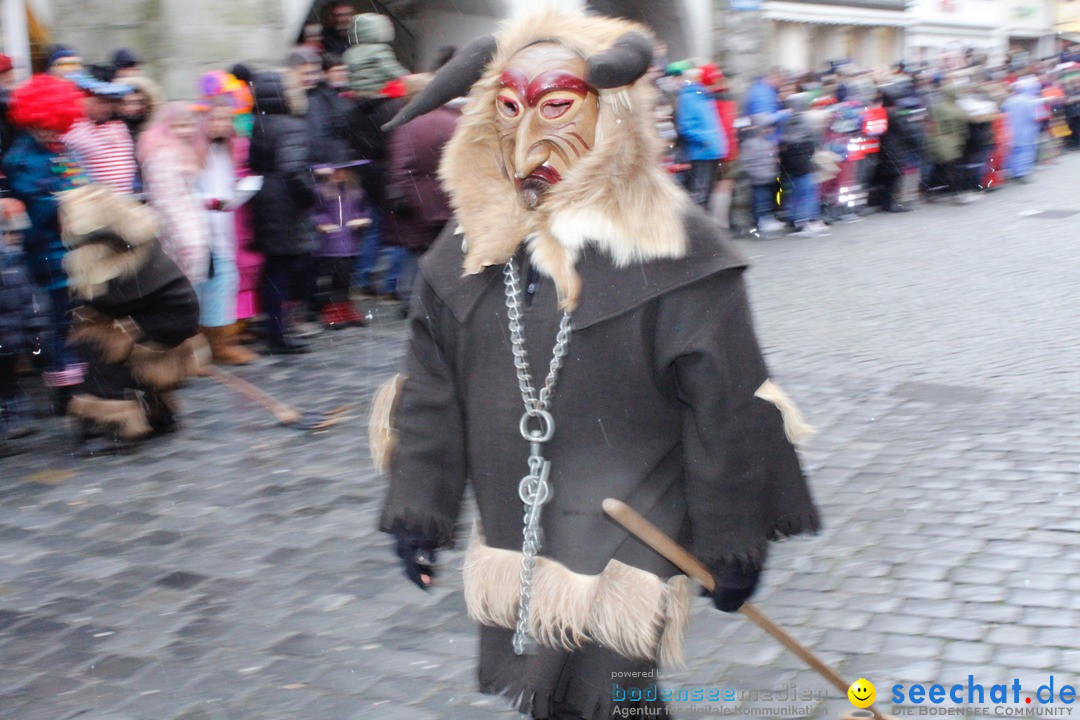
x,y
655,405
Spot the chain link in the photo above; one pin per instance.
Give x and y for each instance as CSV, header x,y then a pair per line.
x,y
537,426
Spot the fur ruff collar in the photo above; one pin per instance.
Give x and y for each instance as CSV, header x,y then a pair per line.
x,y
109,237
93,211
616,198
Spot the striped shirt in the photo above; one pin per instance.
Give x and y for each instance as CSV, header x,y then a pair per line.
x,y
106,153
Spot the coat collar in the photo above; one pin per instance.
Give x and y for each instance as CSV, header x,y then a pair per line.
x,y
607,290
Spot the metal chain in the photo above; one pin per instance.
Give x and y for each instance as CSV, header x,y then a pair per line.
x,y
537,427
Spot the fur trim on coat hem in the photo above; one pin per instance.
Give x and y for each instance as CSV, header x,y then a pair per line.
x,y
165,368
112,339
629,611
125,417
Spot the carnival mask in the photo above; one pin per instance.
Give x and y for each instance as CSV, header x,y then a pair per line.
x,y
546,113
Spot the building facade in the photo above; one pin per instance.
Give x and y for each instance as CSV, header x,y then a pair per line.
x,y
805,35
179,39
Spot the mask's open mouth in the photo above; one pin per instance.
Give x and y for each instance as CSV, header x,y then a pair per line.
x,y
536,183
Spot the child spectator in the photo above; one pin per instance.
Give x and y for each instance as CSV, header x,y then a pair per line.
x,y
340,215
758,158
370,58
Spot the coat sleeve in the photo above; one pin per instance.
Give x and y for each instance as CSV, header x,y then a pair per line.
x,y
428,466
743,483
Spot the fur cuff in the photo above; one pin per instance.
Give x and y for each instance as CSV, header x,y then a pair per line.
x,y
627,610
125,417
112,339
164,369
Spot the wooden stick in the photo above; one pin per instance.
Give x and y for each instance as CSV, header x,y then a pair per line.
x,y
652,536
286,414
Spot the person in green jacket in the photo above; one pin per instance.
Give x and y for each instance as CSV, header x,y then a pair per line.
x,y
948,133
370,58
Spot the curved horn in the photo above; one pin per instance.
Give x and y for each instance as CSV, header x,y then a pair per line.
x,y
621,64
452,80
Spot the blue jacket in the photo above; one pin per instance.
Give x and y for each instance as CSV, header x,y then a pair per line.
x,y
698,124
23,314
762,99
36,174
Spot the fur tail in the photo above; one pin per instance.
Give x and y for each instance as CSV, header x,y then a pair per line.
x,y
795,426
381,435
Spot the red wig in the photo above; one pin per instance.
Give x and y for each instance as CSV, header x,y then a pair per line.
x,y
45,102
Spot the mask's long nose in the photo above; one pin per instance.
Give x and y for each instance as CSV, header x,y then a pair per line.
x,y
530,152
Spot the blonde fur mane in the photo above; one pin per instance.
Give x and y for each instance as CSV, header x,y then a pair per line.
x,y
616,197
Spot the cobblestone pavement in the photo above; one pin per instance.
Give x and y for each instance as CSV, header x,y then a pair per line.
x,y
233,571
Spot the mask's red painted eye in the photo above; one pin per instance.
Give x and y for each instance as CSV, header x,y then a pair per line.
x,y
553,109
508,106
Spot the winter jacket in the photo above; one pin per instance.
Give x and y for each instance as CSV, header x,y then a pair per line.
x,y
902,141
279,152
23,312
948,129
419,208
37,174
728,112
185,231
337,206
762,99
327,119
797,141
371,143
758,157
1025,110
7,128
370,58
698,124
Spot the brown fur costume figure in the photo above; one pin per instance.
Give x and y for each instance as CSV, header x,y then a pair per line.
x,y
582,333
137,326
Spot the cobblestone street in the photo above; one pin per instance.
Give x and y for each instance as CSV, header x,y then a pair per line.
x,y
233,571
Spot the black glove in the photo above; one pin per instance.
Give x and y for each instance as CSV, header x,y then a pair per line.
x,y
418,558
734,586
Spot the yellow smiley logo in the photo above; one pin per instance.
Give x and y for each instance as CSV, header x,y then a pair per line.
x,y
862,693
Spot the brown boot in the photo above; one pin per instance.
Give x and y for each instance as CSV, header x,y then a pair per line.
x,y
225,349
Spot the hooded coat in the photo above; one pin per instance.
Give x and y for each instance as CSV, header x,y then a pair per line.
x,y
698,124
370,58
279,152
419,207
1025,112
948,128
663,399
138,322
